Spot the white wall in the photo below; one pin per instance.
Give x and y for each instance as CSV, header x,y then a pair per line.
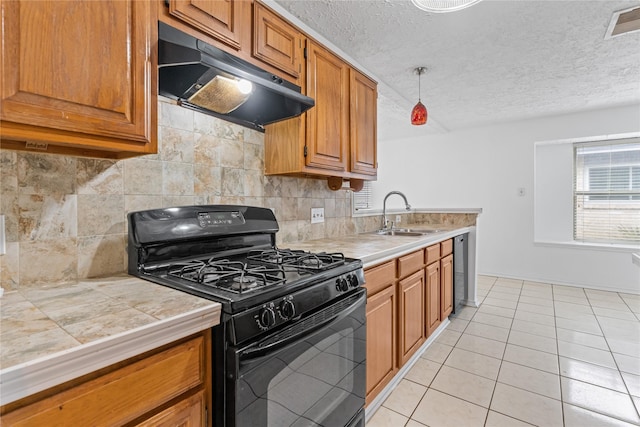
x,y
484,167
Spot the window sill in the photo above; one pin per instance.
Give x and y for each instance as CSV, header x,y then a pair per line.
x,y
589,246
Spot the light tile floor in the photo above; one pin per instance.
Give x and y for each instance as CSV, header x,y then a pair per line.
x,y
531,354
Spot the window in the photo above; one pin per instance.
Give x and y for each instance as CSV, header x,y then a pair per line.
x,y
363,199
607,191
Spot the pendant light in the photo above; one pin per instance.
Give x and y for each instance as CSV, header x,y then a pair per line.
x,y
419,112
443,6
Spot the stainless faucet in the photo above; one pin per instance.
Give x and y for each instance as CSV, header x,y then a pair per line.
x,y
384,208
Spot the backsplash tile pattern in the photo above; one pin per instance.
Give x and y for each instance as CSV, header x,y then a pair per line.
x,y
66,216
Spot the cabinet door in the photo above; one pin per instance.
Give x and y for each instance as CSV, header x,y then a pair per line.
x,y
221,19
381,341
446,286
79,66
327,122
363,124
433,297
411,315
276,42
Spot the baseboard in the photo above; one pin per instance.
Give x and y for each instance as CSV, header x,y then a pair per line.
x,y
561,283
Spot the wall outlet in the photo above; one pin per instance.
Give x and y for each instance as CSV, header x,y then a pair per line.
x,y
521,192
317,215
398,219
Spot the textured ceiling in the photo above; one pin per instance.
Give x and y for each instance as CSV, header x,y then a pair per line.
x,y
493,62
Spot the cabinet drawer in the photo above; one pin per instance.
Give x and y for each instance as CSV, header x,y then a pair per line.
x,y
379,277
410,263
433,253
446,247
186,413
122,395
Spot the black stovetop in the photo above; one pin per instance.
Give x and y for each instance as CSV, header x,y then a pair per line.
x,y
242,281
225,253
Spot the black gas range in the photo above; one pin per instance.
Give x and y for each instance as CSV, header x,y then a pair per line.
x,y
290,347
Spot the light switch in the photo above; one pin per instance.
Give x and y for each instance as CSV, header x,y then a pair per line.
x,y
521,191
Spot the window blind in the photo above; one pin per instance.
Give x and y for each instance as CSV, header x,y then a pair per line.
x,y
363,198
607,192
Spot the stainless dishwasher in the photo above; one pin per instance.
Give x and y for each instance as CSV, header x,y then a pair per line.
x,y
460,271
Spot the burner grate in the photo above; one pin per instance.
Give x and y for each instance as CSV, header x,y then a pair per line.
x,y
297,259
233,276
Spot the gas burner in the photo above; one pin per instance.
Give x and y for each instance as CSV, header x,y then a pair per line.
x,y
233,276
297,260
210,277
275,256
244,283
311,261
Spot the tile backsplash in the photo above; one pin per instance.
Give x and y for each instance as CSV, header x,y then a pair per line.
x,y
66,216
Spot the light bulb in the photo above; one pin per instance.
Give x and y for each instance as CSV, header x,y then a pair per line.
x,y
244,86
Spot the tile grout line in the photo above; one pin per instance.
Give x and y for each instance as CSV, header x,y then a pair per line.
x,y
486,419
613,357
555,325
558,355
502,361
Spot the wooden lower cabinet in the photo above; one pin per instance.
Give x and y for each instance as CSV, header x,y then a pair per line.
x,y
406,302
411,315
382,362
432,275
446,286
165,387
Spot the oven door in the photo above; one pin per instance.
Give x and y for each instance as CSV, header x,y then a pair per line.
x,y
309,374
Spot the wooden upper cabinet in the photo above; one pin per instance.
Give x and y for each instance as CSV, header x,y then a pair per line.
x,y
223,20
79,74
327,122
363,112
276,42
336,138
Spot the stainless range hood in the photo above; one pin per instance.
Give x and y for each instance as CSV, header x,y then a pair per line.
x,y
207,79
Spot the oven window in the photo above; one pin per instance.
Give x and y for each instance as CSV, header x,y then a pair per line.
x,y
318,381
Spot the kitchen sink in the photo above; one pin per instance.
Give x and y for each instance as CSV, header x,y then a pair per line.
x,y
406,232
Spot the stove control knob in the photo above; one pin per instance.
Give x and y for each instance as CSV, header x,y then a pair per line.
x,y
353,281
287,309
342,285
267,318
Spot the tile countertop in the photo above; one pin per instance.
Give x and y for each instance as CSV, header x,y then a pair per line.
x,y
52,334
374,249
55,333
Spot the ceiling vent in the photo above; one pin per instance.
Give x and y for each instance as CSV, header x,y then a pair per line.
x,y
623,21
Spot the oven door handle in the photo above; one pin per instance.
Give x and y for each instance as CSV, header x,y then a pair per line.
x,y
300,331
